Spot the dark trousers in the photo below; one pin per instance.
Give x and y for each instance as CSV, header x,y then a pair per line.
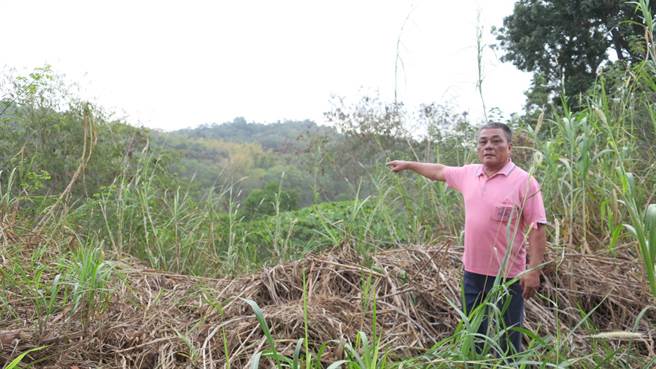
x,y
476,289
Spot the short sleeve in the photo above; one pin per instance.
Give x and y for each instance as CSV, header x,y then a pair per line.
x,y
455,177
534,212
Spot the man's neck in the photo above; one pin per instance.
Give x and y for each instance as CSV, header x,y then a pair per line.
x,y
490,171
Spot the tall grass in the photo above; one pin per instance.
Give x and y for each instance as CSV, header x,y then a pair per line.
x,y
143,215
597,175
88,274
7,203
643,227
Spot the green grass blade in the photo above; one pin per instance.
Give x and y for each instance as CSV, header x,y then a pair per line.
x,y
14,363
263,325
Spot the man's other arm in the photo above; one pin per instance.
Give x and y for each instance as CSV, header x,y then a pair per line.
x,y
431,171
537,243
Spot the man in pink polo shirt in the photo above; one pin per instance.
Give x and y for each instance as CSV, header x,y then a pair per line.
x,y
503,210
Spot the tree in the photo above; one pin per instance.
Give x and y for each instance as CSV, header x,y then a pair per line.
x,y
43,132
566,42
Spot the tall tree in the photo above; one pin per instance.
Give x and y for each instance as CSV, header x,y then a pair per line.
x,y
565,42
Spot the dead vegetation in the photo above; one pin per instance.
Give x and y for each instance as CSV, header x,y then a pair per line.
x,y
167,321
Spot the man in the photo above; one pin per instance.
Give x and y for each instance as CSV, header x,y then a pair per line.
x,y
502,204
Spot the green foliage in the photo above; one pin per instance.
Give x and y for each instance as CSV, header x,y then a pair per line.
x,y
280,137
214,160
568,41
270,200
16,362
88,274
74,284
643,228
41,131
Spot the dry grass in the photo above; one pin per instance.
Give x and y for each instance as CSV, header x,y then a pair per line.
x,y
168,321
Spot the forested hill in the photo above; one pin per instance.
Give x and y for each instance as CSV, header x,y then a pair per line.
x,y
286,136
48,136
251,156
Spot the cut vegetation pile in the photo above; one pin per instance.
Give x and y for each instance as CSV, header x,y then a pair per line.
x,y
167,321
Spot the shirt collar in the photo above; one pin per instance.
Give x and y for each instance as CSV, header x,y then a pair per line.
x,y
505,170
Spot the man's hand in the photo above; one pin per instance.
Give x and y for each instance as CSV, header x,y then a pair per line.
x,y
537,241
530,283
431,171
398,165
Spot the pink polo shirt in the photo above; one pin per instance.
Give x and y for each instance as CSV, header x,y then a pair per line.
x,y
498,213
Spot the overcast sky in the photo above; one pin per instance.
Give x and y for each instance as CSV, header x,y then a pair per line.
x,y
171,65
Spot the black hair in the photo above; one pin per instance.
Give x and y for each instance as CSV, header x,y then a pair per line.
x,y
502,126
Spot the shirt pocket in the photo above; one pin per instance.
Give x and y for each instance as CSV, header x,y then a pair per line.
x,y
504,211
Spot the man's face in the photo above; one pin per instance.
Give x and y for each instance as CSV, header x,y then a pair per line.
x,y
493,148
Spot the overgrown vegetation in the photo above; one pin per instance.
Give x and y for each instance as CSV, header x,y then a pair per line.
x,y
161,246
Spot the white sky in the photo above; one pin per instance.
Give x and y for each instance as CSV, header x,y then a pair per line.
x,y
171,65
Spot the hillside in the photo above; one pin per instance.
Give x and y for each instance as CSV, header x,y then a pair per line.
x,y
286,137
